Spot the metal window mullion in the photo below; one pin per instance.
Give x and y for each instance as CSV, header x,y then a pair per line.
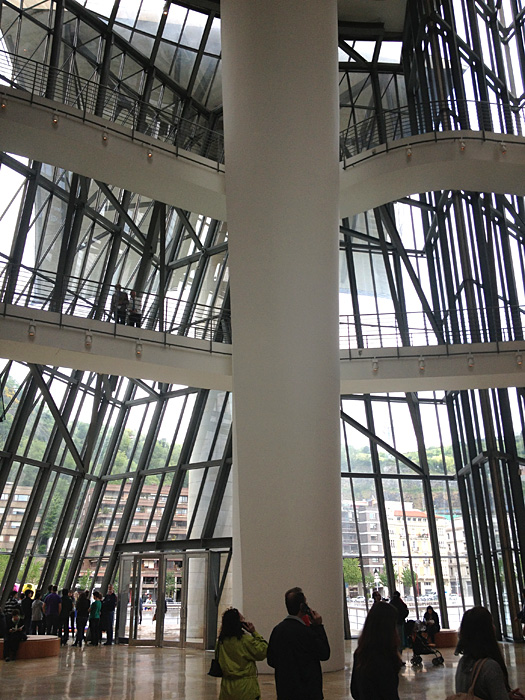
x,y
510,277
500,506
484,534
383,521
22,230
61,431
113,256
16,432
219,489
184,456
415,414
464,501
92,508
352,278
516,497
414,277
58,416
134,493
24,534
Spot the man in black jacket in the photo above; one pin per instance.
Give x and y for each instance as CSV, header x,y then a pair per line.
x,y
107,616
66,605
297,646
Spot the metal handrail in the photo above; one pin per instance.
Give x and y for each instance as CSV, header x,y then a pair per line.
x,y
84,298
91,299
162,123
378,129
108,103
457,326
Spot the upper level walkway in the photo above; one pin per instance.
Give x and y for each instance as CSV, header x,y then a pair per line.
x,y
77,124
64,120
183,348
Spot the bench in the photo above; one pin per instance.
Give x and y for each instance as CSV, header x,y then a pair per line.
x,y
446,638
36,646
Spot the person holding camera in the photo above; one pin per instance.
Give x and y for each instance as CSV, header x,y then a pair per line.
x,y
295,650
238,648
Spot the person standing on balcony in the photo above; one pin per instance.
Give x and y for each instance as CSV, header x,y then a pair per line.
x,y
119,304
134,310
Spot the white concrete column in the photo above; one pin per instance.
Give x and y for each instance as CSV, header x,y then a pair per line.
x,y
281,129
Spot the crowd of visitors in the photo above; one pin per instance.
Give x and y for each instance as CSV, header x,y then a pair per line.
x,y
299,643
296,647
63,615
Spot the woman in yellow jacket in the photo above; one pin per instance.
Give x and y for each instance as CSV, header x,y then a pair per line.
x,y
238,648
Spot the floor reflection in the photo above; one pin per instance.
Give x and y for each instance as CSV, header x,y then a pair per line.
x,y
147,673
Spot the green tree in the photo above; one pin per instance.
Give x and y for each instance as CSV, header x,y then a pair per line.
x,y
4,560
85,580
407,580
63,575
369,582
170,584
50,522
35,569
352,572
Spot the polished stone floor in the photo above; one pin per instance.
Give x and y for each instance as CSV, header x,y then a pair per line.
x,y
147,673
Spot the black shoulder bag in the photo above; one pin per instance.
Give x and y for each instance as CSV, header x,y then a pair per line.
x,y
215,668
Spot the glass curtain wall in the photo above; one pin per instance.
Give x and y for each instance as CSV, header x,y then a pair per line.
x,y
442,473
90,462
432,483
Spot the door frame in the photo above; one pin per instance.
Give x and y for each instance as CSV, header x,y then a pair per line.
x,y
130,568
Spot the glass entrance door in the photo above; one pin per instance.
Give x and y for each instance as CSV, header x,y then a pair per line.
x,y
163,599
174,568
147,598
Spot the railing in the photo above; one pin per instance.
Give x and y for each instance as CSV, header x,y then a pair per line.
x,y
443,116
84,298
162,123
480,325
108,103
74,296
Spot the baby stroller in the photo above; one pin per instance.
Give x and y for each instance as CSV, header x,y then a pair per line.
x,y
420,645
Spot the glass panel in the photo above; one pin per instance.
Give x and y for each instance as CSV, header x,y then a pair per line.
x,y
174,578
125,618
146,595
196,586
193,29
223,527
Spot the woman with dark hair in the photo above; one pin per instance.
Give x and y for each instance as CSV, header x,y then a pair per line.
x,y
238,648
431,619
479,646
375,673
402,613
